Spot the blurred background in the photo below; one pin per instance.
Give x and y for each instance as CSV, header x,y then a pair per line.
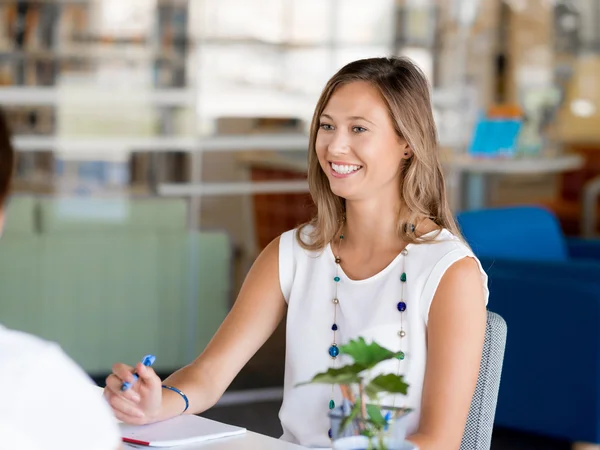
x,y
163,143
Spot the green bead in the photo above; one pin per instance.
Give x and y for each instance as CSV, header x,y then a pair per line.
x,y
341,236
331,404
403,277
400,356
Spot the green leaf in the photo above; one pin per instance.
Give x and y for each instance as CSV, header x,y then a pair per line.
x,y
389,383
367,355
375,416
339,375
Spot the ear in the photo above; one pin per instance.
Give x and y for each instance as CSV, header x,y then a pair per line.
x,y
406,150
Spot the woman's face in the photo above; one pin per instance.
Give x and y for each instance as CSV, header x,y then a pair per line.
x,y
357,145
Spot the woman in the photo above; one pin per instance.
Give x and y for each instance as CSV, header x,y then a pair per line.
x,y
400,275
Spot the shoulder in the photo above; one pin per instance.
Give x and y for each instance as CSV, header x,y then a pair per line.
x,y
450,265
282,250
292,256
55,402
444,248
25,354
290,242
302,233
18,349
439,243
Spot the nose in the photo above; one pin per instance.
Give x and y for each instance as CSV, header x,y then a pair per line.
x,y
339,143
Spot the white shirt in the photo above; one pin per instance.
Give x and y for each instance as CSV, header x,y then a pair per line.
x,y
47,402
366,308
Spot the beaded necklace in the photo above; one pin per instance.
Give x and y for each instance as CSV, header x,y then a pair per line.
x,y
334,350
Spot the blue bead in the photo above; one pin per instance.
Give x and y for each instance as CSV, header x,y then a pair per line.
x,y
334,327
329,433
334,351
336,279
401,306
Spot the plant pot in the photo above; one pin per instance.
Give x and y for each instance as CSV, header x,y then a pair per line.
x,y
362,443
395,431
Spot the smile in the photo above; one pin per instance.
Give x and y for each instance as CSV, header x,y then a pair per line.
x,y
344,169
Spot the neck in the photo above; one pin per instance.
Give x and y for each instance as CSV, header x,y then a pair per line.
x,y
371,225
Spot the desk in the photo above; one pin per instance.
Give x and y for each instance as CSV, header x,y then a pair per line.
x,y
247,441
473,173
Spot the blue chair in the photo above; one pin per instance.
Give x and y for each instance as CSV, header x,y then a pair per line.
x,y
547,288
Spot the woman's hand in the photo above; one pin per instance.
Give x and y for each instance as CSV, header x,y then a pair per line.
x,y
141,403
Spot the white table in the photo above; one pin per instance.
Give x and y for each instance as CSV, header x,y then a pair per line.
x,y
476,172
247,441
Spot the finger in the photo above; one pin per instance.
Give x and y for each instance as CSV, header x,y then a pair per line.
x,y
113,383
123,371
124,406
129,419
148,375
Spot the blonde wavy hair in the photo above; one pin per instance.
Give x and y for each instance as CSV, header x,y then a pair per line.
x,y
405,90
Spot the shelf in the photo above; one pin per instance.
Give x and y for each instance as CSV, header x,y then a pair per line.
x,y
38,96
279,142
100,53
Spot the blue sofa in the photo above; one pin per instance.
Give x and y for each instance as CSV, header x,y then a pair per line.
x,y
547,288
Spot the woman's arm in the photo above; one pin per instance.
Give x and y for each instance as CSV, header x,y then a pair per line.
x,y
455,336
258,310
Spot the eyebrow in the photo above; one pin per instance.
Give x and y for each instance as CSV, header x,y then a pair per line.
x,y
350,118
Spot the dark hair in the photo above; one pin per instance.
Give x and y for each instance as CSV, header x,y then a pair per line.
x,y
7,158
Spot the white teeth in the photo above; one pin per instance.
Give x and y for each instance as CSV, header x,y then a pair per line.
x,y
344,169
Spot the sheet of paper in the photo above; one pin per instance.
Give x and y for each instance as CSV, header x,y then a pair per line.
x,y
181,430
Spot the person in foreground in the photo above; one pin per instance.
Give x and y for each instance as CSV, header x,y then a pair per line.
x,y
42,391
382,259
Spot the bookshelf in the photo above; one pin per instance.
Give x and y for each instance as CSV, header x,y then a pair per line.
x,y
147,86
49,50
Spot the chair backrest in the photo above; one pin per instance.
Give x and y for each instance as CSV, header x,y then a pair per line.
x,y
478,431
520,232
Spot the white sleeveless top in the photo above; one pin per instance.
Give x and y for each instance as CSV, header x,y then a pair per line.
x,y
366,308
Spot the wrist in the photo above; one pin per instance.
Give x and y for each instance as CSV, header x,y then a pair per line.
x,y
183,399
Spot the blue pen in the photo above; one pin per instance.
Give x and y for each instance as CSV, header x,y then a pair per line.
x,y
147,361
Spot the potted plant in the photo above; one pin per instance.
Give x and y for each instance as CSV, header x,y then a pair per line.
x,y
361,422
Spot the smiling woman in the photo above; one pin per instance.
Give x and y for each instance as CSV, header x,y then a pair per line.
x,y
374,126
382,259
355,135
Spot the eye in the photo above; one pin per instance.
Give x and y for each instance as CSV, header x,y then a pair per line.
x,y
326,126
358,129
